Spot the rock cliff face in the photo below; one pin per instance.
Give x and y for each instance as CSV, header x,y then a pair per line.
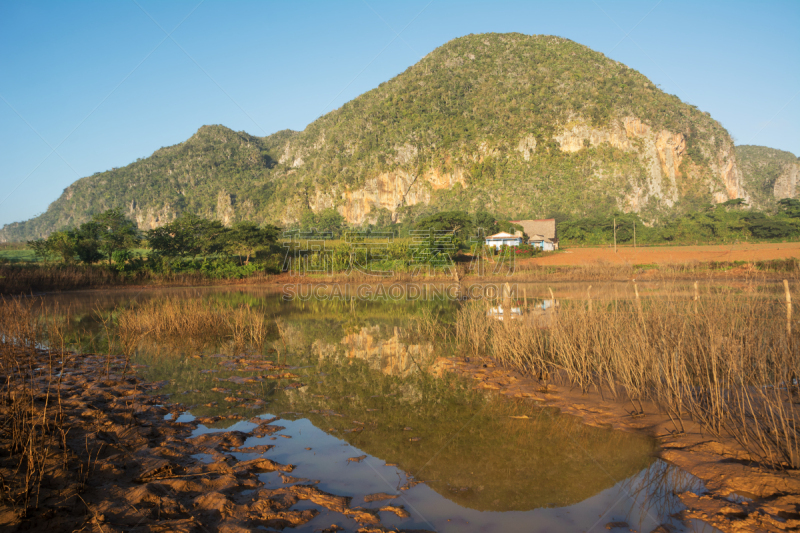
x,y
661,153
768,174
391,191
786,182
150,217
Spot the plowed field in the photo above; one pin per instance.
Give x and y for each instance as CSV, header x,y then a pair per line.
x,y
671,254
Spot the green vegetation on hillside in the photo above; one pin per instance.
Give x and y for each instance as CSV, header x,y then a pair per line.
x,y
486,106
215,169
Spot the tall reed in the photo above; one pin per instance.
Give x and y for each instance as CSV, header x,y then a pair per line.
x,y
197,319
31,419
725,362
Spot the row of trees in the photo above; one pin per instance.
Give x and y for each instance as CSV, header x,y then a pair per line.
x,y
104,236
111,236
191,236
729,221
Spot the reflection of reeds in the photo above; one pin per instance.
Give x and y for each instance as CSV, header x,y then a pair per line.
x,y
729,366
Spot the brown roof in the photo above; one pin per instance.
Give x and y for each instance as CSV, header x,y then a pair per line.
x,y
546,227
539,238
501,235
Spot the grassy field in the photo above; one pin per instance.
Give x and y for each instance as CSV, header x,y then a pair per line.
x,y
18,253
17,256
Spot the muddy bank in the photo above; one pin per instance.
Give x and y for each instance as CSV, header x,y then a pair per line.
x,y
85,446
741,494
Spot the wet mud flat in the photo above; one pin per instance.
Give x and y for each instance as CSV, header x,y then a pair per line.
x,y
87,446
738,493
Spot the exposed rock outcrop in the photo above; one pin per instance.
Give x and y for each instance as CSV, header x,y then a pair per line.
x,y
389,190
151,217
786,183
661,153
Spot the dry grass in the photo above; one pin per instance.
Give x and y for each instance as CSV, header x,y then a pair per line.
x,y
24,279
604,271
182,319
725,361
16,279
32,424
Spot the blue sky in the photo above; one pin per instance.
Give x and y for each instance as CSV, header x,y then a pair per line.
x,y
86,86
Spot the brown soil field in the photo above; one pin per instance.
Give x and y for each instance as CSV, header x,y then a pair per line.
x,y
669,254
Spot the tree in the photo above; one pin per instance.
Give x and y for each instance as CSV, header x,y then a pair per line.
x,y
87,242
117,233
447,229
308,221
765,228
330,221
247,237
41,249
188,235
326,221
486,221
62,243
790,207
451,222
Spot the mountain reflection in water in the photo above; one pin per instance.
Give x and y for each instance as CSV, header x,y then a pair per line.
x,y
359,378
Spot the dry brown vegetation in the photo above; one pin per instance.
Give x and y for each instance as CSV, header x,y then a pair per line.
x,y
728,361
601,270
196,319
21,279
32,421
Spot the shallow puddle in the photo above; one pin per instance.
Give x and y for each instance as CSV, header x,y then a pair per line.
x,y
355,387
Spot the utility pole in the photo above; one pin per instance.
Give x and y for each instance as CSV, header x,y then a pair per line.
x,y
634,234
615,234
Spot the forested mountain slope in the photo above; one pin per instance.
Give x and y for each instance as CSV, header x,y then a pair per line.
x,y
522,126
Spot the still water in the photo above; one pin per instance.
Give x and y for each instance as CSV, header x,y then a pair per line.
x,y
364,410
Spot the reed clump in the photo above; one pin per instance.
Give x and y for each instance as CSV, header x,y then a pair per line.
x,y
728,361
197,319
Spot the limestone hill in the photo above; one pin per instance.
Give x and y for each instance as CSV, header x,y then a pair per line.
x,y
523,126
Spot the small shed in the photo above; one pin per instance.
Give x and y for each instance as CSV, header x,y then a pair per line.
x,y
499,239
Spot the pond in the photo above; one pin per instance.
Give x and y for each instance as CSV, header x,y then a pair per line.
x,y
366,409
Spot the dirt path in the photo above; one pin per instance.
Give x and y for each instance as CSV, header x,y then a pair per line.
x,y
670,254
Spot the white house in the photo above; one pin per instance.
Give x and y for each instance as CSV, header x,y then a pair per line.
x,y
540,241
499,239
